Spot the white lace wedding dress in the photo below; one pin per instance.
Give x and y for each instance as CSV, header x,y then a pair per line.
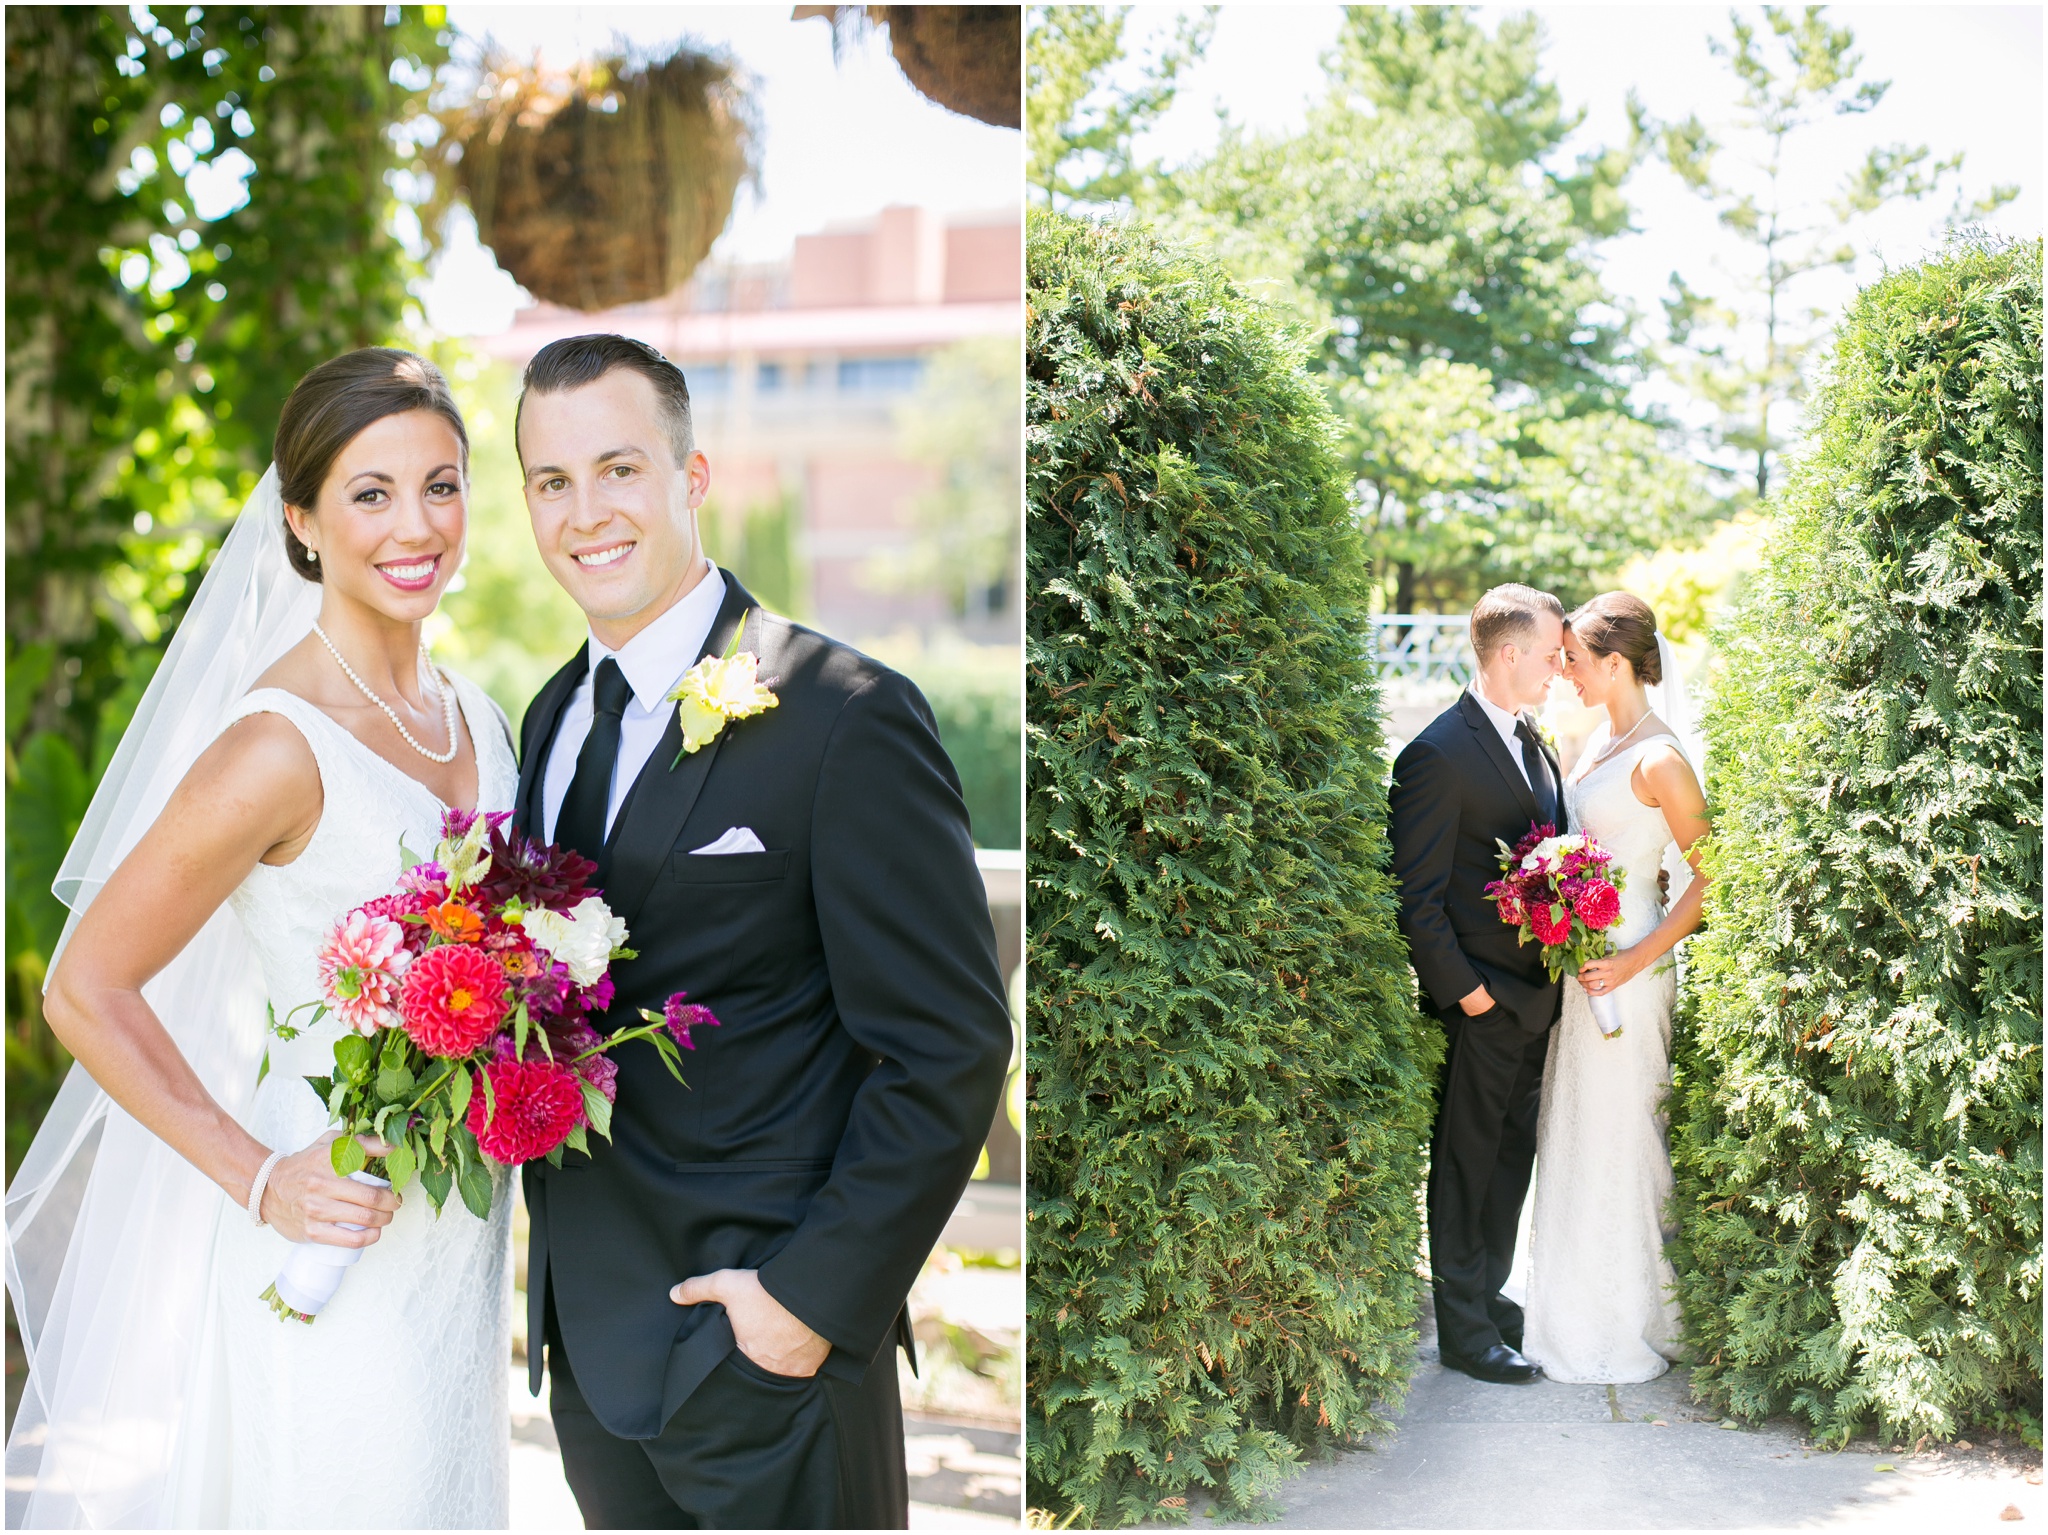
x,y
389,1410
1599,1306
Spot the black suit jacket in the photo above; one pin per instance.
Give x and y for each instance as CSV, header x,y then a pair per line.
x,y
832,1120
1456,790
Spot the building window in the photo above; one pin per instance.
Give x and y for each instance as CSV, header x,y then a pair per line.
x,y
880,375
708,378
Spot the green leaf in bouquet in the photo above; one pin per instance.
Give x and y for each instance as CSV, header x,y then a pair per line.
x,y
348,1156
520,1024
490,1097
400,1164
324,1086
458,1094
263,1070
407,858
474,1182
392,1086
555,1157
352,1056
436,1180
336,1098
437,1135
596,1108
576,1140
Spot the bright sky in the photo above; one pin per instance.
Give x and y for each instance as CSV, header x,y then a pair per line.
x,y
843,139
1963,78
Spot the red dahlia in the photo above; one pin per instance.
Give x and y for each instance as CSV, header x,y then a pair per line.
x,y
454,999
1549,929
1598,905
534,1106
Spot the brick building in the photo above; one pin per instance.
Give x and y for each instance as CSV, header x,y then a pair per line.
x,y
797,372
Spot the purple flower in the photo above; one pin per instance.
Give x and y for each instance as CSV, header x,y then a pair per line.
x,y
681,1017
425,879
547,992
570,1039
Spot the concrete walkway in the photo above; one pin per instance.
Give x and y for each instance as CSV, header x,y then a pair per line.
x,y
1469,1456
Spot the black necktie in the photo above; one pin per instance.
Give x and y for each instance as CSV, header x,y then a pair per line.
x,y
1532,760
580,825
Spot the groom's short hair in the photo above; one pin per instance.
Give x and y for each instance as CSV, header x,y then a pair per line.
x,y
578,360
1506,615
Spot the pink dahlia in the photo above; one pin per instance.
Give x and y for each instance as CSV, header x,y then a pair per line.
x,y
1551,922
1598,905
682,1016
454,999
1511,909
532,1108
360,966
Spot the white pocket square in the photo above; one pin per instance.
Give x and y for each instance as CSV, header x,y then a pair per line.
x,y
737,839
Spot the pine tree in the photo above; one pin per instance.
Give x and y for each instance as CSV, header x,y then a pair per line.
x,y
1857,1106
1230,1084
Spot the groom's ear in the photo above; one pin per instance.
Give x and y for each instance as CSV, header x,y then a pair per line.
x,y
697,470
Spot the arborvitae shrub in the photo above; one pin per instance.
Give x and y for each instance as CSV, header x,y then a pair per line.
x,y
1857,1114
1230,1083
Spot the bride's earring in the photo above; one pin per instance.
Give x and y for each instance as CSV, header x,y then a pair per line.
x,y
313,555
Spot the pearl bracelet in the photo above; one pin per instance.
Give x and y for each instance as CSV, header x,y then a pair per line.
x,y
256,1188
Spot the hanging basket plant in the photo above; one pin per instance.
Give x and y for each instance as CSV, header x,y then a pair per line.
x,y
605,184
967,58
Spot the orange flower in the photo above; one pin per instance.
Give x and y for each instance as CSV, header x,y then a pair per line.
x,y
455,922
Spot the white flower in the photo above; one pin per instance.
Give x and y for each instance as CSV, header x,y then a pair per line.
x,y
583,940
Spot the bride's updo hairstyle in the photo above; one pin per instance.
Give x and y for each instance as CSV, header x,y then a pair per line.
x,y
335,402
1616,623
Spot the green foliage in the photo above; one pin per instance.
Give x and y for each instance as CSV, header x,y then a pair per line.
x,y
965,424
157,315
1857,1108
1748,350
978,701
1079,124
1421,224
1230,1085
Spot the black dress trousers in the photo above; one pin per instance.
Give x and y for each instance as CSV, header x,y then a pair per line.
x,y
749,1450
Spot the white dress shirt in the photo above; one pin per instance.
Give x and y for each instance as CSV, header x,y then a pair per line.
x,y
1503,721
653,661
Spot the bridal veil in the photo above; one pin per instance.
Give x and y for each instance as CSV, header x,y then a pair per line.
x,y
110,1233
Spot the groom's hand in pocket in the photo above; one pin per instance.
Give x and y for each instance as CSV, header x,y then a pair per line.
x,y
766,1331
305,1202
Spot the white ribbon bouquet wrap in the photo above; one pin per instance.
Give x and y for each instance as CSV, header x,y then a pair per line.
x,y
313,1271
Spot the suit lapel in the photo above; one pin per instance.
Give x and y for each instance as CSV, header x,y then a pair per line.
x,y
662,796
1496,749
546,711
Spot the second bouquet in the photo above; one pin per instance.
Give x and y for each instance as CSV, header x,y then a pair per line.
x,y
467,996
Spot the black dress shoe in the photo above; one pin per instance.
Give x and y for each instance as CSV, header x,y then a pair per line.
x,y
1499,1365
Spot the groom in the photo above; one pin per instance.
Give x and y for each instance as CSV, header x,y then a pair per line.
x,y
1480,773
721,1288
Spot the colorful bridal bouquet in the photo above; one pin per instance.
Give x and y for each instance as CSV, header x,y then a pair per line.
x,y
468,994
1563,893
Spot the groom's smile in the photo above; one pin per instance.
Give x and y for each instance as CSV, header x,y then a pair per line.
x,y
610,554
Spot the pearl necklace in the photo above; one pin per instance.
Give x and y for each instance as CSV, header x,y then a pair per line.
x,y
445,694
1615,745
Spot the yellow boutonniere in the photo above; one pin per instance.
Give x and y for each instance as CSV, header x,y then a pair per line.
x,y
1546,735
715,691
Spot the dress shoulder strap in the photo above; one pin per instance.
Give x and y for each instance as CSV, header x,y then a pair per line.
x,y
321,733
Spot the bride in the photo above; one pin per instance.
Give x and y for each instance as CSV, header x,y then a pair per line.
x,y
294,733
1600,1306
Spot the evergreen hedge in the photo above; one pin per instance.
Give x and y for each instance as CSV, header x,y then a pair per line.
x,y
1857,1108
1230,1084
